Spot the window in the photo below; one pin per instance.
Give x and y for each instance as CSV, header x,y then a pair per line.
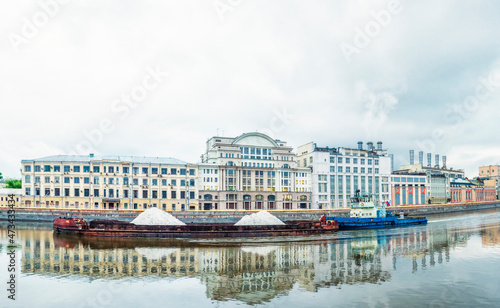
x,y
77,192
182,171
86,180
111,181
191,195
155,194
37,168
76,168
362,170
355,169
164,194
66,179
145,170
340,168
125,181
96,180
57,179
183,182
47,191
183,195
27,179
46,168
144,181
86,168
340,160
347,169
191,182
27,168
125,193
191,172
67,168
354,160
125,169
174,183
370,162
96,168
155,182
57,192
66,192
86,192
135,170
154,170
164,171
347,160
28,191
362,161
135,193
111,169
96,192
144,194
173,194
173,171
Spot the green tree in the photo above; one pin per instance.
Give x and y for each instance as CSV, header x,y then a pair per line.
x,y
1,177
13,183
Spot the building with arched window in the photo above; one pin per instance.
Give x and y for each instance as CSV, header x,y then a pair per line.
x,y
252,172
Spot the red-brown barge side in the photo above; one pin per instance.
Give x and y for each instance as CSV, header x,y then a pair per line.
x,y
116,228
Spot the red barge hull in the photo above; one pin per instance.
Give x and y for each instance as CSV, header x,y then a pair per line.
x,y
116,228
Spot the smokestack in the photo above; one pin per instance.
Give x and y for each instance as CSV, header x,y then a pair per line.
x,y
412,157
360,145
444,162
437,160
421,158
369,145
379,145
429,160
392,162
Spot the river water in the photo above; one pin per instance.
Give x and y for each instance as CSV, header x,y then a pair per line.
x,y
454,260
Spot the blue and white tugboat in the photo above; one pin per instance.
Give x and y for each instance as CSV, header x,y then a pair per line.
x,y
365,214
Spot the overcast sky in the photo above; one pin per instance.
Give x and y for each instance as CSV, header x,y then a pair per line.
x,y
158,78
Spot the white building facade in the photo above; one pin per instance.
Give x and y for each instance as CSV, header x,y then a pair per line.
x,y
338,172
252,172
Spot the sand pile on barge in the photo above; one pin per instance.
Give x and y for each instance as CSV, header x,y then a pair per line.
x,y
262,218
156,217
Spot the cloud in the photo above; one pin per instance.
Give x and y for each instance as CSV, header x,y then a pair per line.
x,y
234,74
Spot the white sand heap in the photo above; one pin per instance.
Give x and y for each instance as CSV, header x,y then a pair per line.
x,y
156,253
259,219
156,217
260,250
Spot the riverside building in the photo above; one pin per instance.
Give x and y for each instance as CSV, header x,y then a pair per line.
x,y
338,172
438,177
252,172
109,182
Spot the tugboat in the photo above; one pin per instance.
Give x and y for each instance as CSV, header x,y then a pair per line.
x,y
365,214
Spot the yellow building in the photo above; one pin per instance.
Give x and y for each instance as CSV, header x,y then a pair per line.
x,y
109,182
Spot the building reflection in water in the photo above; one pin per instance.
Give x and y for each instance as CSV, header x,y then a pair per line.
x,y
252,274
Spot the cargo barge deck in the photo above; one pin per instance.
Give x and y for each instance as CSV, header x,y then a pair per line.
x,y
117,228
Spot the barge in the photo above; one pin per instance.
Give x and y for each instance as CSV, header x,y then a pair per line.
x,y
365,215
117,228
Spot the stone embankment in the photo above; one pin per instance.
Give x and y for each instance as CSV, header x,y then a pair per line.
x,y
45,215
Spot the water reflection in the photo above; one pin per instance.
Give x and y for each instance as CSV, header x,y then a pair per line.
x,y
247,272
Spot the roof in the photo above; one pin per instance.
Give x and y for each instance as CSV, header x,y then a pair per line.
x,y
108,158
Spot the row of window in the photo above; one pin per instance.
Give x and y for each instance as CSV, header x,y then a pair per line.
x,y
110,181
108,193
110,169
347,160
408,180
340,169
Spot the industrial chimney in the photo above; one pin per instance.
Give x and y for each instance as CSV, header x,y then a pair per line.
x,y
412,157
421,158
360,145
429,160
379,145
369,145
437,160
444,162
